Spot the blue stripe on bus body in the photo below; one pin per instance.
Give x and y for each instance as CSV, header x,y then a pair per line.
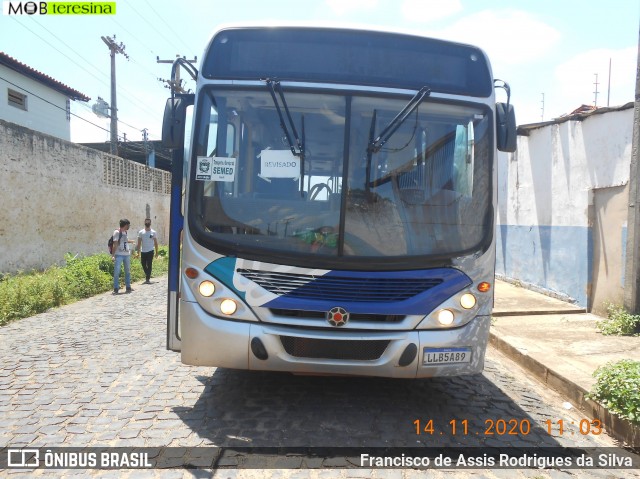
x,y
453,281
177,224
422,303
223,270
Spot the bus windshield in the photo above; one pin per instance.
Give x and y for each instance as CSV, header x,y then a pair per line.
x,y
332,200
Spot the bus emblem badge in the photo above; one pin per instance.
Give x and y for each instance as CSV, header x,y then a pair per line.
x,y
337,316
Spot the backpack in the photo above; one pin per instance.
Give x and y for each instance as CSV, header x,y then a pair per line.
x,y
110,247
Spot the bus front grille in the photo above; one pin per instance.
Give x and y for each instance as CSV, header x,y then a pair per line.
x,y
340,288
367,350
357,317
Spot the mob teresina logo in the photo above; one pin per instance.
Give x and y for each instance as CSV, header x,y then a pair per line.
x,y
337,316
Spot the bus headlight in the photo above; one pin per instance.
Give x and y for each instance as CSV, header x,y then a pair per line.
x,y
445,317
228,306
207,288
467,301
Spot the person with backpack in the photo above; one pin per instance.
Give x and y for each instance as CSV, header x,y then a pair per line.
x,y
121,255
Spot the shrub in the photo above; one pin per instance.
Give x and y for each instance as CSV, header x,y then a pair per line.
x,y
619,322
26,294
618,388
84,277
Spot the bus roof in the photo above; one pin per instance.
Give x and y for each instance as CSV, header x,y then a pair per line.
x,y
352,56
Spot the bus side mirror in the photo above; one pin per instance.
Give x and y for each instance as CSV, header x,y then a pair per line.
x,y
173,123
506,127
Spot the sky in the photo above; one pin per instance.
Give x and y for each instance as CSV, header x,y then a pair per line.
x,y
551,52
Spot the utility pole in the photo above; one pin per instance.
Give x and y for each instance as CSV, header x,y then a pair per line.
x,y
114,48
145,138
595,101
542,108
632,267
177,84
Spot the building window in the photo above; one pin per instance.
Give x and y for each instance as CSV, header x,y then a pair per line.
x,y
17,99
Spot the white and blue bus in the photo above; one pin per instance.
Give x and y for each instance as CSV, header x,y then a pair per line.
x,y
336,214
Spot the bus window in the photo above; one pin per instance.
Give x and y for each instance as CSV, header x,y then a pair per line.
x,y
213,136
212,149
463,160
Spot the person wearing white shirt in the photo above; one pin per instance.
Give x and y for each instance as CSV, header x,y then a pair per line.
x,y
147,243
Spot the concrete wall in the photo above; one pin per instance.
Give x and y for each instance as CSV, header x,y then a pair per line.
x,y
46,108
545,235
609,247
58,197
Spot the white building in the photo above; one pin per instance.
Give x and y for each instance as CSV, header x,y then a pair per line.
x,y
34,100
563,202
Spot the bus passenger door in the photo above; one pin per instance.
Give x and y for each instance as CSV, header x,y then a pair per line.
x,y
173,136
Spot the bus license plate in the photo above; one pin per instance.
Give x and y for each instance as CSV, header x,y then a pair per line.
x,y
434,356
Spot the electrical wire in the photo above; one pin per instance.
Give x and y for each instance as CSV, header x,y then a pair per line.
x,y
120,138
162,35
62,53
87,62
111,17
168,26
52,104
104,82
119,121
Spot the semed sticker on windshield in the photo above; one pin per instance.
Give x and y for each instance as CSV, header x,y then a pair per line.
x,y
216,169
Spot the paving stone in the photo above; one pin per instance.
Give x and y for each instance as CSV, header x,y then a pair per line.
x,y
102,377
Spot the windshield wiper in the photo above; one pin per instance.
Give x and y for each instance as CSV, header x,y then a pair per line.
x,y
376,145
272,85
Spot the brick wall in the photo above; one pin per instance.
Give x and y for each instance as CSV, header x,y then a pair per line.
x,y
59,197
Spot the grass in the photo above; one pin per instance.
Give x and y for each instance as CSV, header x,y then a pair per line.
x,y
619,322
618,388
25,294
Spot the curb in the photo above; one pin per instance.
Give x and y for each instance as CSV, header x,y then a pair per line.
x,y
540,312
620,428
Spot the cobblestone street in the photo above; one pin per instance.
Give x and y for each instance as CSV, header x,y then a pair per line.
x,y
96,373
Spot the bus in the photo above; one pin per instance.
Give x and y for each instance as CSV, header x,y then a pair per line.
x,y
333,205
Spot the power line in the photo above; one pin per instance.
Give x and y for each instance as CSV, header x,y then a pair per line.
x,y
119,121
124,91
141,42
162,35
135,147
100,72
62,53
132,35
52,104
168,26
63,109
130,126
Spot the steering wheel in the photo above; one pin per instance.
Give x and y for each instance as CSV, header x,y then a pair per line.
x,y
317,188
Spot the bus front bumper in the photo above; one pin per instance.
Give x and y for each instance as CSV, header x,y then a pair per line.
x,y
210,341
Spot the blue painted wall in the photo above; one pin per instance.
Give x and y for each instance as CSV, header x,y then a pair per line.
x,y
556,258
